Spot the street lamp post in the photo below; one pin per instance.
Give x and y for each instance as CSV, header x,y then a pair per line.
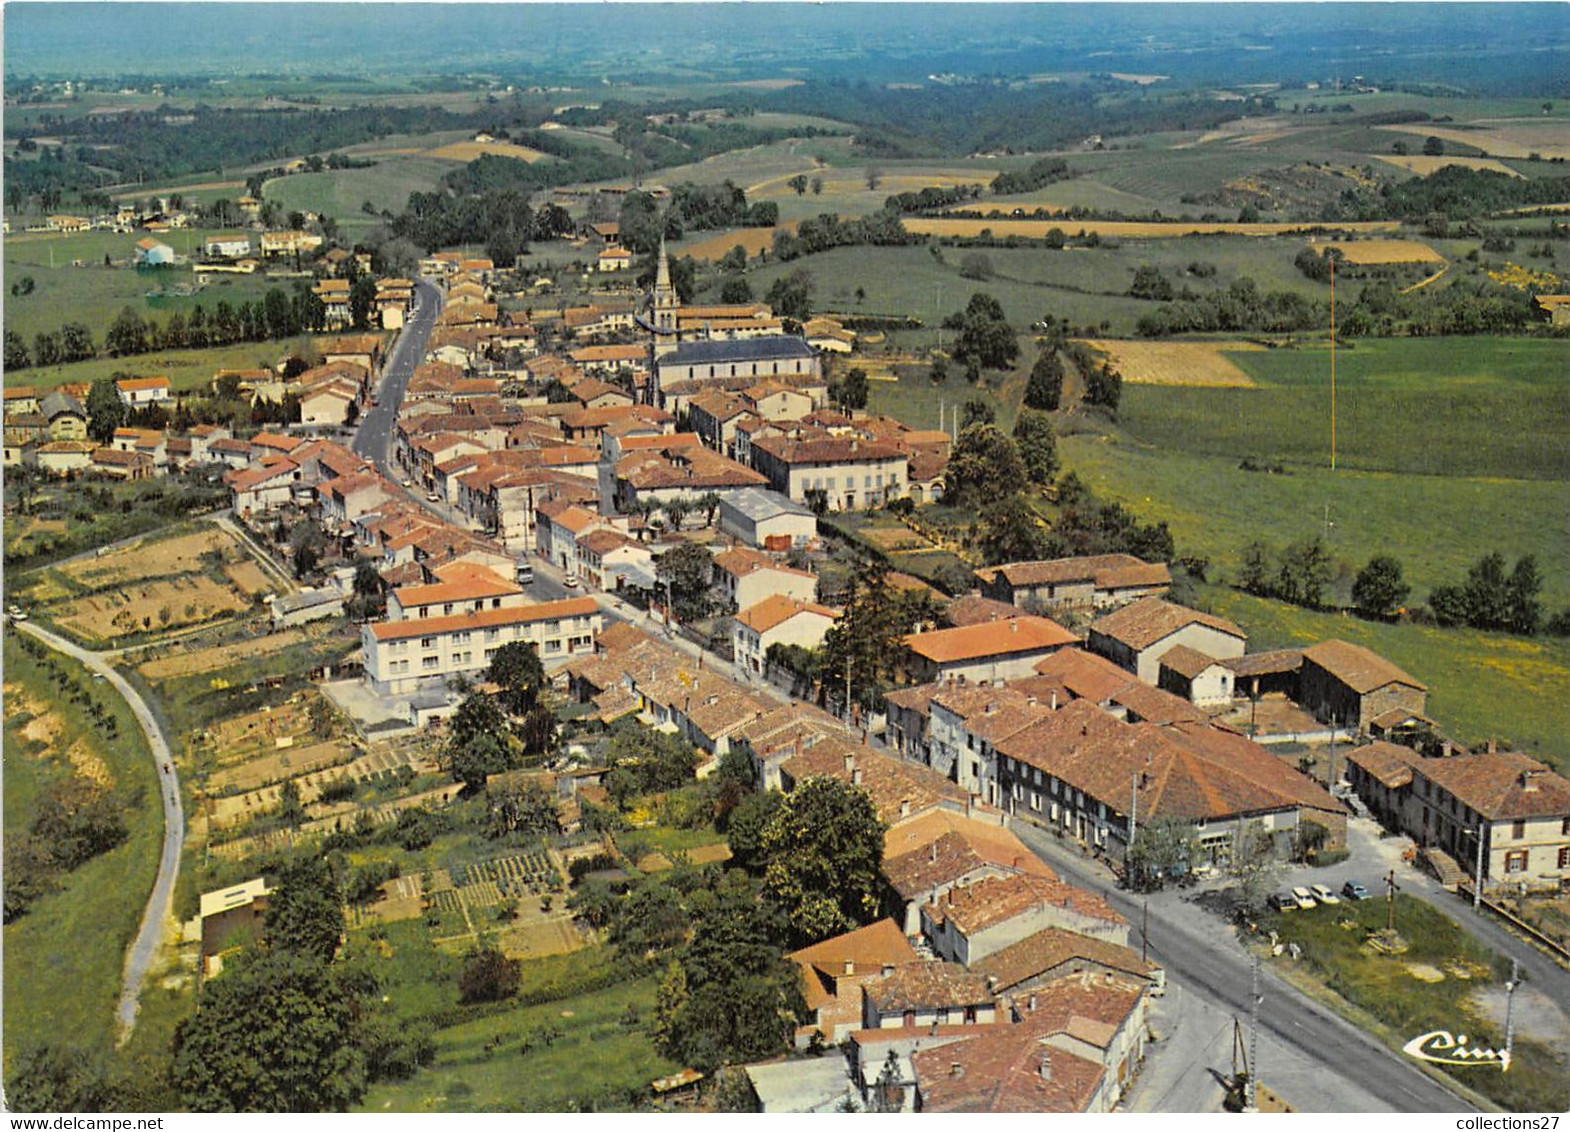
x,y
1477,885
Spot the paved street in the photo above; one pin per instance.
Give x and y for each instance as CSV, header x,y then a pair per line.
x,y
374,435
140,956
1321,1062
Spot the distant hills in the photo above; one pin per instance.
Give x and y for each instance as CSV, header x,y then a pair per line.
x,y
1504,48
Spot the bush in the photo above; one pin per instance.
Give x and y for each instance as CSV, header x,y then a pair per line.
x,y
488,976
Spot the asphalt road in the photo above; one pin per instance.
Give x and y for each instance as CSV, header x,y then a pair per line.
x,y
373,438
140,956
1203,957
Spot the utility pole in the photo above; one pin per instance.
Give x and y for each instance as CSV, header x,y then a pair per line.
x,y
1133,822
1255,999
1477,886
1510,989
1144,934
1390,901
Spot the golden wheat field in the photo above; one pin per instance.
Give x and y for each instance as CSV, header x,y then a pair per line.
x,y
1371,252
1423,165
1505,137
1176,363
467,151
1128,229
755,240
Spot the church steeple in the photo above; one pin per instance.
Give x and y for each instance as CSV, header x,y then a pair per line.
x,y
665,298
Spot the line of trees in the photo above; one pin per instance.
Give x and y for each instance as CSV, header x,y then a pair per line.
x,y
279,314
829,230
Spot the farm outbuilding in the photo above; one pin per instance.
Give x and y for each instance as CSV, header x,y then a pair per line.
x,y
762,518
307,605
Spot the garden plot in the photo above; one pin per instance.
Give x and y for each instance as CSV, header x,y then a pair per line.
x,y
182,663
292,762
150,558
170,604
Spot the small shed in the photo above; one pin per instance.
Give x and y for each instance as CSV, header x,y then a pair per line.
x,y
762,518
307,605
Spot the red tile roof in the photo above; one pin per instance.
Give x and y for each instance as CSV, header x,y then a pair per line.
x,y
485,619
973,642
1148,620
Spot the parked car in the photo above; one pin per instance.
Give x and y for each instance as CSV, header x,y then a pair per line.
x,y
570,581
1354,890
1282,902
432,497
1305,899
1323,894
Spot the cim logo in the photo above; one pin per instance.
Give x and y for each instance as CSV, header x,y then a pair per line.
x,y
1444,1048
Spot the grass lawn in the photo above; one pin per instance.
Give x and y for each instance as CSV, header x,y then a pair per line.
x,y
1215,509
63,958
1480,685
580,1049
1406,1006
1495,407
185,369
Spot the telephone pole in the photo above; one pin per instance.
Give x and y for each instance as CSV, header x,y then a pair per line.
x,y
1252,1100
1510,989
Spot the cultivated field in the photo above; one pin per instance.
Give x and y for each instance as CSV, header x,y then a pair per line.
x,y
212,659
1423,165
1371,252
150,558
185,369
1127,229
1504,137
712,249
1176,363
143,607
468,151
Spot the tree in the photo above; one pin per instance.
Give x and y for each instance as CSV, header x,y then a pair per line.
x,y
983,458
1379,588
1433,146
865,642
517,669
275,1033
369,587
975,265
799,184
488,976
60,1078
851,392
746,823
1044,390
644,761
76,342
1011,531
874,177
686,569
823,852
1524,613
1487,593
528,810
16,352
1253,866
305,910
985,337
1038,446
791,295
817,186
978,411
1103,386
735,289
1149,283
1304,573
105,410
126,335
730,996
1255,574
290,809
1161,850
477,745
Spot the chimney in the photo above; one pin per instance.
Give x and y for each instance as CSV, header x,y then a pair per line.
x,y
1031,1004
1493,746
932,853
1529,780
991,707
1054,699
1031,700
850,966
955,1068
1046,1063
904,807
888,969
1013,624
855,777
850,763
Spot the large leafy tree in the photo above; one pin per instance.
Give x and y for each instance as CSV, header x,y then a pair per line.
x,y
1044,391
983,458
273,1033
644,761
729,996
985,336
305,911
823,849
1011,531
517,669
105,410
865,642
687,568
1379,589
478,744
1038,446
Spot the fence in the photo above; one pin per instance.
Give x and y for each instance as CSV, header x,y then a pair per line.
x,y
1545,943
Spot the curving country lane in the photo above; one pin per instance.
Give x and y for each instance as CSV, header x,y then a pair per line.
x,y
139,957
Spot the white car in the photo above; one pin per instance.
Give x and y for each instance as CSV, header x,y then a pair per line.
x,y
1323,894
570,581
1304,898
